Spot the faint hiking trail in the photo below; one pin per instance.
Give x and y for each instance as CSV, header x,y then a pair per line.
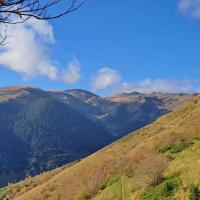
x,y
122,188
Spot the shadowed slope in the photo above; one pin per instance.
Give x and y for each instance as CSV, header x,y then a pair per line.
x,y
39,133
122,113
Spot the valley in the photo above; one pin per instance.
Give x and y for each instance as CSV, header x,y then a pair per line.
x,y
159,160
41,130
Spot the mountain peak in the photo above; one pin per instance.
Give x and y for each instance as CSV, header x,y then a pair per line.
x,y
14,87
135,93
156,149
81,94
12,92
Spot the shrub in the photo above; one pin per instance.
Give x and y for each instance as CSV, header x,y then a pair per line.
x,y
170,157
129,173
103,186
150,171
160,129
165,149
194,193
109,182
180,147
196,138
176,148
161,191
83,195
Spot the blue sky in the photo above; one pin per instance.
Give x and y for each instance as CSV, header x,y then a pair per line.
x,y
109,46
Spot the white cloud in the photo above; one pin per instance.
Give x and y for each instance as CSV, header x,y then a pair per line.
x,y
109,78
72,73
105,77
190,8
42,27
26,51
159,85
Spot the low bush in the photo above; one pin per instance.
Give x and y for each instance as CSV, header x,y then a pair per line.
x,y
150,171
165,149
196,138
83,195
129,173
176,148
161,191
160,129
170,157
109,182
194,193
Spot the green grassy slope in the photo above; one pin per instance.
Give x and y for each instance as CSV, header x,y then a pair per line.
x,y
167,149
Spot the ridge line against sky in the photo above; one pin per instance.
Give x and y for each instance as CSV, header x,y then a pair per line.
x,y
40,54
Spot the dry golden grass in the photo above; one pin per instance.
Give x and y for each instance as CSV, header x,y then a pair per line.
x,y
7,93
14,190
83,179
171,101
150,172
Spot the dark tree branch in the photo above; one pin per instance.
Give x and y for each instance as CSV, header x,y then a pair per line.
x,y
19,11
3,36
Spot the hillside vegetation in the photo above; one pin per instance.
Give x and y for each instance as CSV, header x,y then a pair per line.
x,y
159,161
41,130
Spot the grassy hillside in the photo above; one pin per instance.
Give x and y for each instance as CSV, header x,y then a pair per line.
x,y
159,161
41,130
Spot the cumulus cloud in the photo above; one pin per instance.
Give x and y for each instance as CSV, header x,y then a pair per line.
x,y
72,73
190,8
110,78
26,51
105,77
159,85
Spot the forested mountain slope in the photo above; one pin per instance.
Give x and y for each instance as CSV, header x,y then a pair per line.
x,y
41,130
39,133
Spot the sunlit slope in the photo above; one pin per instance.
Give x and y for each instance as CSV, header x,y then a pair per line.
x,y
113,172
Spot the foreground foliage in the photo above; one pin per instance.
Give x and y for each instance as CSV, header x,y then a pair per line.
x,y
194,193
176,148
161,191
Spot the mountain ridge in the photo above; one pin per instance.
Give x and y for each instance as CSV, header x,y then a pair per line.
x,y
89,178
43,133
46,129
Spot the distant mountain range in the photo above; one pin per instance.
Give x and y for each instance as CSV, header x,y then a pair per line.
x,y
41,130
122,113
